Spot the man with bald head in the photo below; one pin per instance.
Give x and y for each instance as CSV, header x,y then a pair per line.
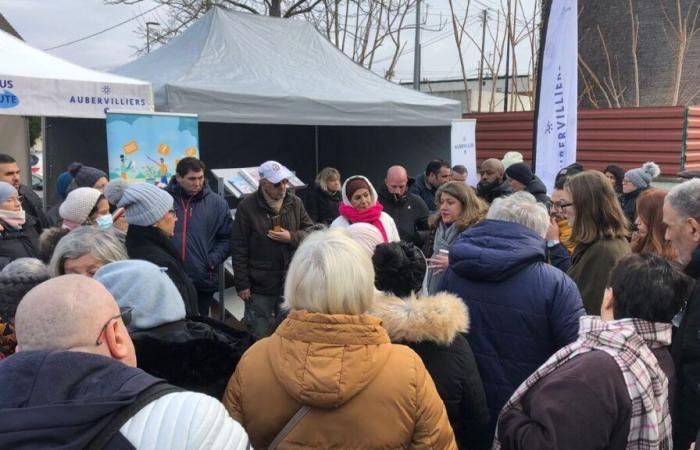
x,y
492,183
409,211
73,382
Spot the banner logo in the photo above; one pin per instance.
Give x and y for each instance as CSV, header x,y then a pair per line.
x,y
7,98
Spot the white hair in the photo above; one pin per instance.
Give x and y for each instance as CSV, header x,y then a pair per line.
x,y
685,199
521,208
26,267
102,244
330,274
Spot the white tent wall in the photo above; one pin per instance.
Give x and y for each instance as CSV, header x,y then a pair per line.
x,y
15,142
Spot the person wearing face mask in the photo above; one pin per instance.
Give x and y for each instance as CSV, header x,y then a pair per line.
x,y
360,205
322,201
83,206
18,236
151,216
409,211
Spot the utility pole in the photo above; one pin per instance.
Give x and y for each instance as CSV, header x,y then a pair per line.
x,y
148,35
484,17
416,53
505,96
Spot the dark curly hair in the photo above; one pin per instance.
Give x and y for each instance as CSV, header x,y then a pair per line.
x,y
399,268
13,288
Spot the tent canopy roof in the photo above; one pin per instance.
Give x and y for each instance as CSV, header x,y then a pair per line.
x,y
243,68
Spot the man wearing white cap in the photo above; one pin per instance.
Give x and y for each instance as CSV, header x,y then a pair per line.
x,y
269,226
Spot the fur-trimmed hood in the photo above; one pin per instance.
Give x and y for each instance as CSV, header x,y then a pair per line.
x,y
436,318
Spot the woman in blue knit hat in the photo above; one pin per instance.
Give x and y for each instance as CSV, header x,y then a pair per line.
x,y
151,218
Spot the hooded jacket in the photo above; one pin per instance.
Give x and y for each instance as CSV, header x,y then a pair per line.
x,y
522,309
686,355
392,233
410,214
321,205
491,192
363,391
63,400
432,327
18,243
537,188
202,233
259,263
422,189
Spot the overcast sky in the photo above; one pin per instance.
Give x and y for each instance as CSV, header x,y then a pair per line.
x,y
44,24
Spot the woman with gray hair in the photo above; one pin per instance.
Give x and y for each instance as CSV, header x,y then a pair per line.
x,y
334,365
84,250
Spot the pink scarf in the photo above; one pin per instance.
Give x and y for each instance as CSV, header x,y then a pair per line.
x,y
15,219
370,215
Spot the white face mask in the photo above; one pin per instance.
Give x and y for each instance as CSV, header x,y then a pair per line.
x,y
104,222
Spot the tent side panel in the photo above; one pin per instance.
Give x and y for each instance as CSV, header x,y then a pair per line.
x,y
68,140
370,151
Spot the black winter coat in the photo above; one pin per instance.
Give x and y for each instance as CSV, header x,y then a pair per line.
x,y
197,354
537,188
410,214
322,206
151,244
431,326
491,192
686,355
629,205
33,206
419,186
202,233
259,263
18,243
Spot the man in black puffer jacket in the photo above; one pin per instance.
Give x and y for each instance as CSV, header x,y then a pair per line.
x,y
521,178
409,211
269,225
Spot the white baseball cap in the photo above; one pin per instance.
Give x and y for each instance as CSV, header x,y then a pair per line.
x,y
274,172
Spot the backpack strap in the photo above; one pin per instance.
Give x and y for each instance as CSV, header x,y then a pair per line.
x,y
296,418
145,397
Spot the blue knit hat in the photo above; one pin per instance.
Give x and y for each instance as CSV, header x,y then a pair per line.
x,y
143,203
6,191
62,183
146,288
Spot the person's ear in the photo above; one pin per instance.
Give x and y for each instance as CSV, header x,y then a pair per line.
x,y
694,228
118,340
606,308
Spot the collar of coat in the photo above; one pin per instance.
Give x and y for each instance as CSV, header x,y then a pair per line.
x,y
262,203
436,318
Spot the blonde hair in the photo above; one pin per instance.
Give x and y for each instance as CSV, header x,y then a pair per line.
x,y
330,274
326,174
473,208
598,212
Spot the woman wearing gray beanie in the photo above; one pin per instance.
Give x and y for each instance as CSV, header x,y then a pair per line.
x,y
151,218
634,183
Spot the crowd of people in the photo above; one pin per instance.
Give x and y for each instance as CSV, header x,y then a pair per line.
x,y
425,314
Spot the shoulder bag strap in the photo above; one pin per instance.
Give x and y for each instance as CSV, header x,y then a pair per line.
x,y
296,418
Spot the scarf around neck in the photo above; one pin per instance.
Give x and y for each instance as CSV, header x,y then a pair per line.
x,y
371,215
445,235
629,342
15,219
276,205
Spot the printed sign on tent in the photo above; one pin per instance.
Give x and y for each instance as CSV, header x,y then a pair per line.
x,y
147,147
463,144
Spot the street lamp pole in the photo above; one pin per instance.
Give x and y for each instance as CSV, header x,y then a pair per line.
x,y
148,35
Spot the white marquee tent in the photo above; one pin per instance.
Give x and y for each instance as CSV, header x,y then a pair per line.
x,y
35,83
242,68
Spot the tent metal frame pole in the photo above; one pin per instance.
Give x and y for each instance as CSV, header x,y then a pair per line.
x,y
44,164
316,147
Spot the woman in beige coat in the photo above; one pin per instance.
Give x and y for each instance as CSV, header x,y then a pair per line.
x,y
362,391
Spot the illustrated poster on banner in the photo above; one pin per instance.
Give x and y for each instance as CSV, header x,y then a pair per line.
x,y
147,147
463,147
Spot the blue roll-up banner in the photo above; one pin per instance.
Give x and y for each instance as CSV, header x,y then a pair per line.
x,y
147,147
555,144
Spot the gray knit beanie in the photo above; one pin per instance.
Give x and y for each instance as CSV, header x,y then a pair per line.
x,y
642,176
6,191
143,203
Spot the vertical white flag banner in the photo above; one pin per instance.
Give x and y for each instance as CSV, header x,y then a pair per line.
x,y
463,147
558,93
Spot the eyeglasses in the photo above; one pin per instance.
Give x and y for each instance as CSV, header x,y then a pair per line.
x,y
561,204
124,313
279,185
